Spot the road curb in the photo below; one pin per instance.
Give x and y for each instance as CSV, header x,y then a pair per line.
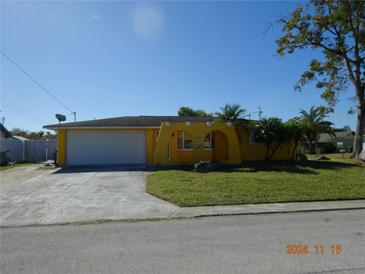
x,y
268,212
175,216
271,208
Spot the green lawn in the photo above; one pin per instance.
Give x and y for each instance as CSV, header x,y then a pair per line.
x,y
16,165
262,183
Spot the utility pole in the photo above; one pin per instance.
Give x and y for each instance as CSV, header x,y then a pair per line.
x,y
74,114
260,112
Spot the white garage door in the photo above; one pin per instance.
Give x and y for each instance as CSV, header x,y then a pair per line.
x,y
99,147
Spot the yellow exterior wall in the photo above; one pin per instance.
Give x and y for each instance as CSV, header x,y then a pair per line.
x,y
232,145
198,132
257,152
187,156
149,145
220,151
61,147
183,156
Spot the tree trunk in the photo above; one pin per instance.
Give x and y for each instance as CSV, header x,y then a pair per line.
x,y
359,133
316,146
294,150
311,147
274,149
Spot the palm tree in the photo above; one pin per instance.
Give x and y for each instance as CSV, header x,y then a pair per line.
x,y
271,132
296,131
315,124
230,113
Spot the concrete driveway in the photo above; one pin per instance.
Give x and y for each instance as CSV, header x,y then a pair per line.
x,y
29,195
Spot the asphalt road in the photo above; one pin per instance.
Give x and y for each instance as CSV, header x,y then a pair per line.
x,y
231,244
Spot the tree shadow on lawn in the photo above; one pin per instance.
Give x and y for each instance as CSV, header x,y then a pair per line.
x,y
302,167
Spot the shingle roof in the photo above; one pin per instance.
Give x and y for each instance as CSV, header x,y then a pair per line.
x,y
327,138
130,121
20,138
4,132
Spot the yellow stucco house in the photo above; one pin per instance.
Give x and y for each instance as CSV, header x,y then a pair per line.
x,y
157,140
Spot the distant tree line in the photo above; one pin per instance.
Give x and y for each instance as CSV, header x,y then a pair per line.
x,y
33,135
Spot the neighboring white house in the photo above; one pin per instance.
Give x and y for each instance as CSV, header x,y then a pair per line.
x,y
342,140
20,138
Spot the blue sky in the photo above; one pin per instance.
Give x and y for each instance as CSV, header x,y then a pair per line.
x,y
107,59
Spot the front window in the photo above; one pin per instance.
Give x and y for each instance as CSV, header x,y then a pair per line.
x,y
184,140
209,141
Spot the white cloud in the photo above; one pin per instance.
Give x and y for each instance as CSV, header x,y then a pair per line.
x,y
148,22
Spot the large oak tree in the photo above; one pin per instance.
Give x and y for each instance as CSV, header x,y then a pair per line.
x,y
336,28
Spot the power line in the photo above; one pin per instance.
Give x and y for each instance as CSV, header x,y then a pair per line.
x,y
13,108
24,114
6,102
36,82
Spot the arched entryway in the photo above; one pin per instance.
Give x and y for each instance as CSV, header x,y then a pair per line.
x,y
215,146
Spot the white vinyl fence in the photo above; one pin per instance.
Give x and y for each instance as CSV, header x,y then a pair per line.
x,y
28,151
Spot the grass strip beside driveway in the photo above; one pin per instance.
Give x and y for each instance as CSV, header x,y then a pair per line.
x,y
264,182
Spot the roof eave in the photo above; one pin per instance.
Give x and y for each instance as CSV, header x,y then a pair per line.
x,y
96,127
